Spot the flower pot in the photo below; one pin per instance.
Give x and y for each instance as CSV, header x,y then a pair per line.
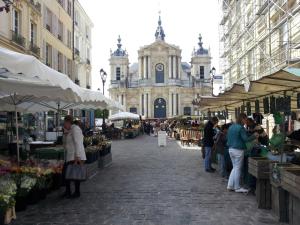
x,y
33,197
43,193
2,216
21,203
57,181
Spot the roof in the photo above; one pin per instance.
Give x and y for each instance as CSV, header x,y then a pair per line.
x,y
286,81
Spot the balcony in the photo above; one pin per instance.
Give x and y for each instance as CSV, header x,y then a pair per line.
x,y
88,62
77,82
145,82
77,52
18,39
36,6
34,49
175,82
118,84
48,27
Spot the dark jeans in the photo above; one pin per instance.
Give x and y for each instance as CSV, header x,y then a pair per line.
x,y
68,182
77,186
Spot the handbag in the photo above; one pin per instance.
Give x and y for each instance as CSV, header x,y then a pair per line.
x,y
76,172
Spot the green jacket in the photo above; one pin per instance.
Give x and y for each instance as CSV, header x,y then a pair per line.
x,y
237,137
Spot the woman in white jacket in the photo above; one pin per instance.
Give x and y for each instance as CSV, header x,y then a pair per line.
x,y
74,151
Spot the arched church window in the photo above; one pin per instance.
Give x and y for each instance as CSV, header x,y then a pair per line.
x,y
187,111
133,110
159,73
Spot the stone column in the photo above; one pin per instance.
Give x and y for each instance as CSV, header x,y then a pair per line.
x,y
149,67
174,67
141,104
149,105
124,101
174,104
170,104
179,105
140,68
170,67
145,104
179,67
145,67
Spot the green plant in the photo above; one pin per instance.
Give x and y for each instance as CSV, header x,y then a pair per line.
x,y
8,190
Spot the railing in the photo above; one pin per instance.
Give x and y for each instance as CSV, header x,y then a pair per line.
x,y
37,6
34,48
17,38
77,52
174,82
48,27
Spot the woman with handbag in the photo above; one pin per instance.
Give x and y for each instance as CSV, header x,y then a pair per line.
x,y
74,156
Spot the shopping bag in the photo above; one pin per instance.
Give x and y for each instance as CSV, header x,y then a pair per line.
x,y
76,172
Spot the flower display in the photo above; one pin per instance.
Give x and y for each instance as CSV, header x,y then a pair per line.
x,y
8,191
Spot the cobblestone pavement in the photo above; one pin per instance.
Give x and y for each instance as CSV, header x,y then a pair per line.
x,y
150,185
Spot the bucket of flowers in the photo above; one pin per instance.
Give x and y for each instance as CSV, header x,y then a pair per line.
x,y
24,184
8,190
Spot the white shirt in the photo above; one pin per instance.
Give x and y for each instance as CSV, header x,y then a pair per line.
x,y
73,144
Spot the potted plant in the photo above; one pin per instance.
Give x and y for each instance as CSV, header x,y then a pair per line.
x,y
7,199
24,184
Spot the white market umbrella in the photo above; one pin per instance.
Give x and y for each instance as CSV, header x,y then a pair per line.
x,y
124,116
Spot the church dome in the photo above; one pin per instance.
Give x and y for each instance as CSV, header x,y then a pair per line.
x,y
119,51
200,50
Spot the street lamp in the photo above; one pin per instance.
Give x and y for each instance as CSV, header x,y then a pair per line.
x,y
212,75
103,76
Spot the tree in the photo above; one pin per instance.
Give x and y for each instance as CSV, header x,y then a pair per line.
x,y
101,113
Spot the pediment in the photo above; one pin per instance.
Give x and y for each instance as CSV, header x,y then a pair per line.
x,y
160,46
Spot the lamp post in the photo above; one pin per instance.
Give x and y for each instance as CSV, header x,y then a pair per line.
x,y
103,76
212,74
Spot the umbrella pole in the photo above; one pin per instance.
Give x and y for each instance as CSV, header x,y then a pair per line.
x,y
17,135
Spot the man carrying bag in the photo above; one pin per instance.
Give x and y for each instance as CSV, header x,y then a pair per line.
x,y
74,157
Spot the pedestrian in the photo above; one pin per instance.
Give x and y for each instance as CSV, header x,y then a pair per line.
x,y
74,152
221,146
236,140
208,142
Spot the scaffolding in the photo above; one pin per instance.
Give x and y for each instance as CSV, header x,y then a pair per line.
x,y
257,38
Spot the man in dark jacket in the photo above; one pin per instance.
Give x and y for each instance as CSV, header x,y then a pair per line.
x,y
208,142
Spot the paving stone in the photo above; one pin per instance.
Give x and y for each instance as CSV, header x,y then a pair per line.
x,y
150,185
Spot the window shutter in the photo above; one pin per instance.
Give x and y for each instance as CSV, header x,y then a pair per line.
x,y
44,51
54,59
45,16
64,60
54,25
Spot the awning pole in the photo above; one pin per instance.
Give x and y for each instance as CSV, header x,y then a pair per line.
x,y
17,135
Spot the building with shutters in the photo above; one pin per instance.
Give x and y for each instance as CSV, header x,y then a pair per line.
x,y
160,85
57,35
82,46
21,27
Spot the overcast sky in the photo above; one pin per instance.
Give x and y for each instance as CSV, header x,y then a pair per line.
x,y
136,21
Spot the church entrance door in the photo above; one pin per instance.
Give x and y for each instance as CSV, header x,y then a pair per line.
x,y
160,108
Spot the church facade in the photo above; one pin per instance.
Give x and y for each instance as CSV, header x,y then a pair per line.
x,y
160,85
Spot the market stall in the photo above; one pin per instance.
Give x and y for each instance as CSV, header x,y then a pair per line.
x,y
130,127
27,85
275,101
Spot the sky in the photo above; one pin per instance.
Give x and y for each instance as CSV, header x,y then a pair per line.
x,y
136,21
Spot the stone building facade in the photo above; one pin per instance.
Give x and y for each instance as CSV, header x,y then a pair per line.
x,y
160,85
